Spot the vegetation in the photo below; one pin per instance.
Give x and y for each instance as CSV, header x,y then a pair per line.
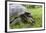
x,y
36,12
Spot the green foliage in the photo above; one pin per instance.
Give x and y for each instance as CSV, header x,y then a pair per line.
x,y
32,6
37,15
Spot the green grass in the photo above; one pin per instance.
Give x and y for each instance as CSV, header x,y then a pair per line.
x,y
37,15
